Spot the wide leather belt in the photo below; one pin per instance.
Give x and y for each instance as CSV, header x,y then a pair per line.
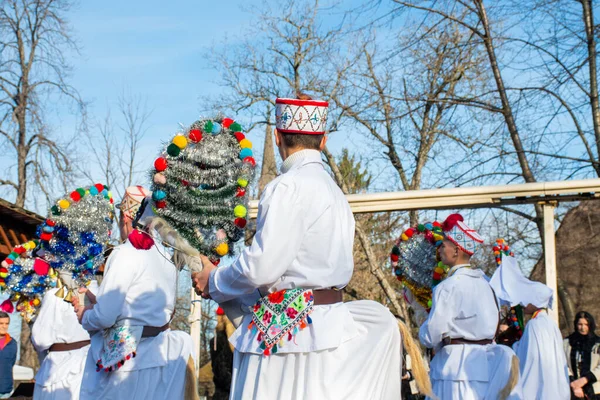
x,y
327,296
152,331
481,342
68,346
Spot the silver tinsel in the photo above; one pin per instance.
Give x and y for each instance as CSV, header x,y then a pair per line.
x,y
201,186
417,260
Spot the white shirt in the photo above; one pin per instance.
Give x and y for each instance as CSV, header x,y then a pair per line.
x,y
138,288
543,365
304,239
463,307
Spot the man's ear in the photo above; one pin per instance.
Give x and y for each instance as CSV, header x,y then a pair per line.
x,y
323,143
277,138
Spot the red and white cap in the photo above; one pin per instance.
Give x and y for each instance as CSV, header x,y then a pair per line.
x,y
132,200
301,116
456,231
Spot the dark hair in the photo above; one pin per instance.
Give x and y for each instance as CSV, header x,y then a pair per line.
x,y
4,315
588,317
305,141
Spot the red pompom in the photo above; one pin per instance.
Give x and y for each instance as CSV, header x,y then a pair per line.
x,y
19,250
111,200
215,262
437,224
240,223
46,236
227,122
251,161
195,135
409,232
99,187
394,257
49,222
496,248
160,164
185,183
241,192
160,204
437,276
8,261
140,240
75,196
239,136
451,221
220,311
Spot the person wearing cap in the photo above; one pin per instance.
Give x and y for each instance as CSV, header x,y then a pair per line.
x,y
129,206
300,340
134,354
542,361
461,326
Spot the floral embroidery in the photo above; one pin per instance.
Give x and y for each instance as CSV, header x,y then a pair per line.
x,y
279,314
120,345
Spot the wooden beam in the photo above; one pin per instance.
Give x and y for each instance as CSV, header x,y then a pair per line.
x,y
13,236
550,256
4,237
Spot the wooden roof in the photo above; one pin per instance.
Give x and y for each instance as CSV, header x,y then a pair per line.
x,y
17,225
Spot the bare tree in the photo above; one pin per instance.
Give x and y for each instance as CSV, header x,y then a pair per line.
x,y
34,38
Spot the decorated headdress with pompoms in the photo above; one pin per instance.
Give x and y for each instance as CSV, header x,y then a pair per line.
x,y
460,234
414,261
71,243
200,184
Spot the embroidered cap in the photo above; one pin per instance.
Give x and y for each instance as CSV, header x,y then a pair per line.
x,y
132,200
301,116
460,234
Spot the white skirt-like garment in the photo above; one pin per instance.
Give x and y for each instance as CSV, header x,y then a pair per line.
x,y
499,359
368,366
59,376
164,380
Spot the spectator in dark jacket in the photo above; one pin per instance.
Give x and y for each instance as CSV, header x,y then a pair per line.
x,y
8,357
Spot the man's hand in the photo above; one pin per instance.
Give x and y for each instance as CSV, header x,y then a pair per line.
x,y
91,296
578,393
200,279
80,310
579,383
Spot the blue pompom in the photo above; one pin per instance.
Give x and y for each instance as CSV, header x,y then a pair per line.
x,y
216,129
158,195
48,229
429,226
245,153
93,191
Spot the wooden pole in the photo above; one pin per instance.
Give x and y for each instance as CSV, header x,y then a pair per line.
x,y
195,319
550,256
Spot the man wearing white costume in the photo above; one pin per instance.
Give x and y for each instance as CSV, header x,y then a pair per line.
x,y
300,341
57,334
543,365
134,354
462,324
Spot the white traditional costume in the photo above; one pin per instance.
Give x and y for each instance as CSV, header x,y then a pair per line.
x,y
134,354
300,341
461,327
58,335
543,365
70,250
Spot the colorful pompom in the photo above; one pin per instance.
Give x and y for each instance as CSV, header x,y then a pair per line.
x,y
160,164
173,150
180,141
242,182
222,249
195,135
245,153
64,204
240,211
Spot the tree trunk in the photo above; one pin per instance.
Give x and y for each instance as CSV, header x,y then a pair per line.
x,y
29,357
268,170
374,265
507,111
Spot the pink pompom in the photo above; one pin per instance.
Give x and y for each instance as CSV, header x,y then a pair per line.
x,y
7,306
41,267
160,179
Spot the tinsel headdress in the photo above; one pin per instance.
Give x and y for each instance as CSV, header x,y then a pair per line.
x,y
71,243
414,260
200,184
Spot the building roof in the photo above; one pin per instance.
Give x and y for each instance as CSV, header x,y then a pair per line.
x,y
17,225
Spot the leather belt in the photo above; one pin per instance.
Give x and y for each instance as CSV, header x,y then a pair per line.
x,y
481,342
327,296
152,331
68,346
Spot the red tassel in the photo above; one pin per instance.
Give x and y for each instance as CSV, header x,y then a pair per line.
x,y
141,240
451,221
289,336
267,352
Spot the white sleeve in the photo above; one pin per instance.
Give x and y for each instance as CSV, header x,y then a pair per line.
x,y
281,226
43,334
112,292
437,325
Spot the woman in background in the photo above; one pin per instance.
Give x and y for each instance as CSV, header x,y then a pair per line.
x,y
582,349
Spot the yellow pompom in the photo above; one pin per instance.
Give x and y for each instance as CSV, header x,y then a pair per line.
x,y
222,249
27,246
64,204
437,237
3,274
110,195
239,211
36,302
439,270
245,144
404,237
180,141
242,182
2,284
31,244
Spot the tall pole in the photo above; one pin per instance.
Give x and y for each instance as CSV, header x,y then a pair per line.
x,y
550,255
195,319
